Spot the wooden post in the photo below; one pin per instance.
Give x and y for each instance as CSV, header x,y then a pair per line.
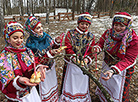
x,y
59,17
99,14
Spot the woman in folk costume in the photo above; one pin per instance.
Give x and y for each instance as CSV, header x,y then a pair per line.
x,y
76,84
42,43
17,64
120,44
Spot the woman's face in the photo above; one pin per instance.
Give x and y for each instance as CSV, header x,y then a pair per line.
x,y
16,39
119,28
84,26
39,29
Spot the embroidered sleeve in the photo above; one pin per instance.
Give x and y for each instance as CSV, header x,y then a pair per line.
x,y
101,41
68,44
129,60
17,85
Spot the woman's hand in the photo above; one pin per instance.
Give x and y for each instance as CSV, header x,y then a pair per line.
x,y
58,39
86,60
42,71
55,51
26,81
96,49
108,74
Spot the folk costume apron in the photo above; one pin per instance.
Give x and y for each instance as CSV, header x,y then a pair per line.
x,y
76,84
32,97
117,48
48,89
114,86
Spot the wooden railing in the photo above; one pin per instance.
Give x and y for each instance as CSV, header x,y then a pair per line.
x,y
59,17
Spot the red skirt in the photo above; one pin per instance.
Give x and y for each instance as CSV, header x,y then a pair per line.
x,y
129,74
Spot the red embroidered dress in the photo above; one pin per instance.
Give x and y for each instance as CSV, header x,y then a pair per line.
x,y
15,63
76,87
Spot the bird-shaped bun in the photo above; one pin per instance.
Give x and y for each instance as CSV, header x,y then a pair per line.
x,y
35,78
61,48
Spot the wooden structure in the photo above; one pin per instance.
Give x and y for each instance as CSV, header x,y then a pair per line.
x,y
60,17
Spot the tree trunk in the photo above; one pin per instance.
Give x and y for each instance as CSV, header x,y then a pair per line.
x,y
9,10
64,3
1,18
78,6
47,11
83,6
111,9
32,8
28,9
90,5
73,9
67,6
54,8
122,5
4,7
21,7
137,8
70,3
58,3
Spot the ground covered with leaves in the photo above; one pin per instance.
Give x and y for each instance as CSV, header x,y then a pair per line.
x,y
56,28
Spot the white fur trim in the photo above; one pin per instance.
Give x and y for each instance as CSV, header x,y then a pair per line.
x,y
98,48
89,59
126,68
85,15
38,66
81,31
15,84
128,17
56,42
131,65
118,70
49,55
13,99
72,56
15,24
32,18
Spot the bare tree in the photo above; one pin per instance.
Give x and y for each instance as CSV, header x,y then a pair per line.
x,y
32,2
28,9
21,8
58,3
67,5
90,5
83,6
135,5
7,7
112,9
1,17
41,5
73,9
78,6
137,8
4,8
47,11
54,8
70,3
